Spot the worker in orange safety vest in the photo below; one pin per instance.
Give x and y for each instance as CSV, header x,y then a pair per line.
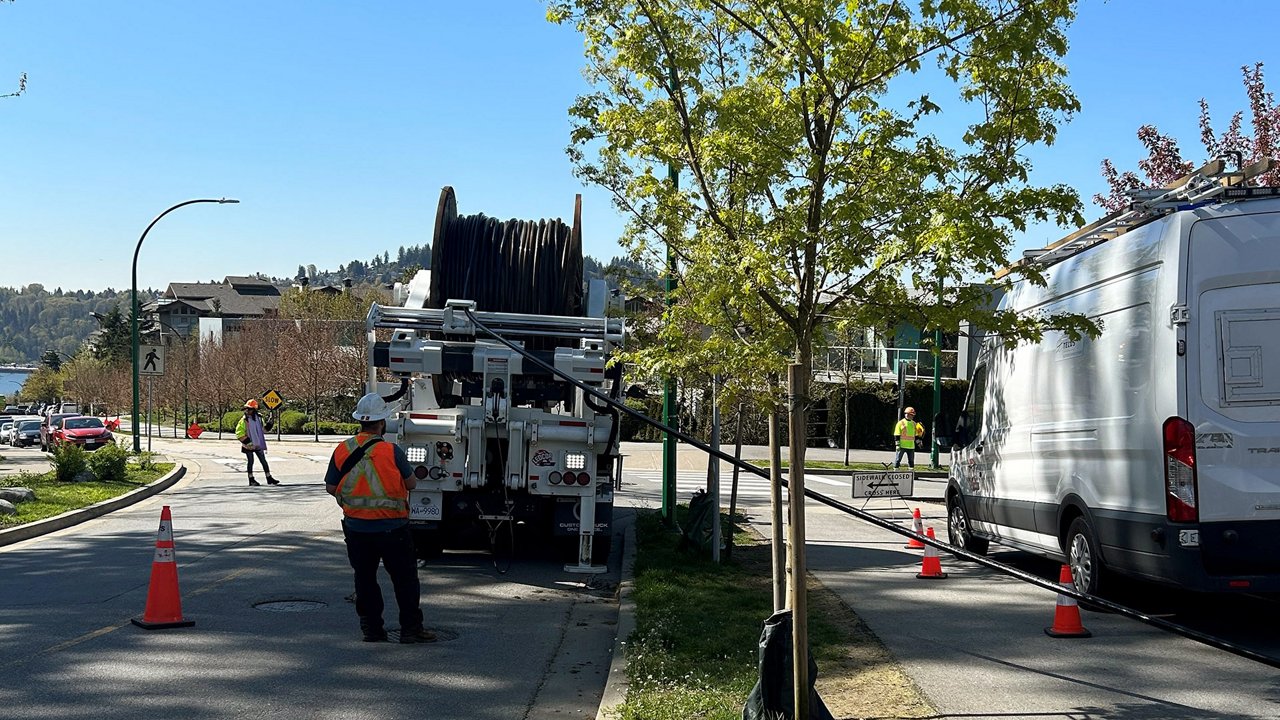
x,y
371,479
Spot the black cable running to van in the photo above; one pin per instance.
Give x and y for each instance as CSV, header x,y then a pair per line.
x,y
1122,610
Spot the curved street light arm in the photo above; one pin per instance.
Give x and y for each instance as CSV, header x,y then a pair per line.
x,y
133,305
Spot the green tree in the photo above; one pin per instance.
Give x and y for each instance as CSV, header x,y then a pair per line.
x,y
811,191
114,343
51,360
43,385
811,185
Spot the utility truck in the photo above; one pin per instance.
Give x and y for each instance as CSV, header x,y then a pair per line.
x,y
503,449
1152,450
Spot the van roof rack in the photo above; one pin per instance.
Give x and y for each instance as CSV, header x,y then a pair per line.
x,y
1208,183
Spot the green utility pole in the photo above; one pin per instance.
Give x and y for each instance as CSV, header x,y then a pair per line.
x,y
937,396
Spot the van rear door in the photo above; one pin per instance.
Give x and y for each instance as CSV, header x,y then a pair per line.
x,y
1232,393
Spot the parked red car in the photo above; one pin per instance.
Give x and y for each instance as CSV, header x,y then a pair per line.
x,y
88,432
51,425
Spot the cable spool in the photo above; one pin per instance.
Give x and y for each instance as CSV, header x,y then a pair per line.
x,y
524,266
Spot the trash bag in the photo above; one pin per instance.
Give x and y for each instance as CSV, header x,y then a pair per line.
x,y
696,534
772,698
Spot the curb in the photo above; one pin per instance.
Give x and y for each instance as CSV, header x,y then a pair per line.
x,y
75,517
615,688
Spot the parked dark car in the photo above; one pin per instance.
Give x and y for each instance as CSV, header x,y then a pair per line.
x,y
47,429
25,432
87,432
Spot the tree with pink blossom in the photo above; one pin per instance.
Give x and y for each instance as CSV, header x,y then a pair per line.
x,y
1164,162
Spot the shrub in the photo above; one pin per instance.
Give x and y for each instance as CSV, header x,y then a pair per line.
x,y
229,420
68,462
328,427
109,463
292,421
146,460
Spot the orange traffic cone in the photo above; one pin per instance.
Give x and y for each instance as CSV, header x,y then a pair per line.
x,y
164,602
1066,617
931,565
918,526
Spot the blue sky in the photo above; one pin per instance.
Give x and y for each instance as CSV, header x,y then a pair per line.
x,y
337,123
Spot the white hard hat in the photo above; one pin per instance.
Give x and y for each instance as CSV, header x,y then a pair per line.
x,y
372,408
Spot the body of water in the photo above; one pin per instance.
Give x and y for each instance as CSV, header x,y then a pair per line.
x,y
11,382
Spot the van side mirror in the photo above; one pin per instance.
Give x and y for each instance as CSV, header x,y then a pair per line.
x,y
961,436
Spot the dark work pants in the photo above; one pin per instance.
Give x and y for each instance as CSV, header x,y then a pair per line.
x,y
394,550
911,457
262,455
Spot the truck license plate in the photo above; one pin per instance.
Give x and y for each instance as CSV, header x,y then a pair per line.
x,y
426,505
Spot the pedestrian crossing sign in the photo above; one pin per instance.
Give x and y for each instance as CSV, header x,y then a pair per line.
x,y
272,399
151,360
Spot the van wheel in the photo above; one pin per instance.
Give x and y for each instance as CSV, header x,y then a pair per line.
x,y
1081,548
959,532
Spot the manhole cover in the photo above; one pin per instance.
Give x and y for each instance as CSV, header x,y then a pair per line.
x,y
290,606
442,635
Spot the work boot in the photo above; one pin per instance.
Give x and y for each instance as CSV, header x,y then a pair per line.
x,y
375,635
421,635
253,482
272,481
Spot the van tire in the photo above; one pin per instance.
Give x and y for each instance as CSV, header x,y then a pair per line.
x,y
1082,551
959,531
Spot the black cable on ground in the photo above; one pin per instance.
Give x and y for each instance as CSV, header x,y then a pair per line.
x,y
1128,612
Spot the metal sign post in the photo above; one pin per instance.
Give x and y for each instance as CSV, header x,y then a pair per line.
x,y
148,414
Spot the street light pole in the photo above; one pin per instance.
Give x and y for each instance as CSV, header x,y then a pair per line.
x,y
133,309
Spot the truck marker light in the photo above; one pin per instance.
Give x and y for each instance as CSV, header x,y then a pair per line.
x,y
554,477
420,472
1239,583
584,478
436,472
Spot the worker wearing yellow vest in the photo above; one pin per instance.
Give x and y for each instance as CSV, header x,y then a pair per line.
x,y
905,434
371,479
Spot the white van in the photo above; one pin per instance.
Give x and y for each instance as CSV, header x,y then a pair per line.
x,y
1152,450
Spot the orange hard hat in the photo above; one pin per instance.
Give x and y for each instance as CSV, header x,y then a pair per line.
x,y
251,404
910,411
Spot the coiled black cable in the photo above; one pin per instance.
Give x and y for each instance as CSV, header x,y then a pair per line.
x,y
531,267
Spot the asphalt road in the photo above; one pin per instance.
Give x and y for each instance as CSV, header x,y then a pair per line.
x,y
532,643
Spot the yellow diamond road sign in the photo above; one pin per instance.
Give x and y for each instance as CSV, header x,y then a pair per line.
x,y
272,399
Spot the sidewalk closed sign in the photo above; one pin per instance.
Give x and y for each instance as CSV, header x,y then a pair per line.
x,y
883,484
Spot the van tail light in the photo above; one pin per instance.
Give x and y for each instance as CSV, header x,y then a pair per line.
x,y
1180,471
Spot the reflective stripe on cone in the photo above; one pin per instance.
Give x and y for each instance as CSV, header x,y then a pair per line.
x,y
1066,616
931,565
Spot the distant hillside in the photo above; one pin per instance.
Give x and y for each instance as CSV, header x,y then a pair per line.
x,y
33,320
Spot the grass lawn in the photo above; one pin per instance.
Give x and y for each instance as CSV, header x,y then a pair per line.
x,y
694,653
55,498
